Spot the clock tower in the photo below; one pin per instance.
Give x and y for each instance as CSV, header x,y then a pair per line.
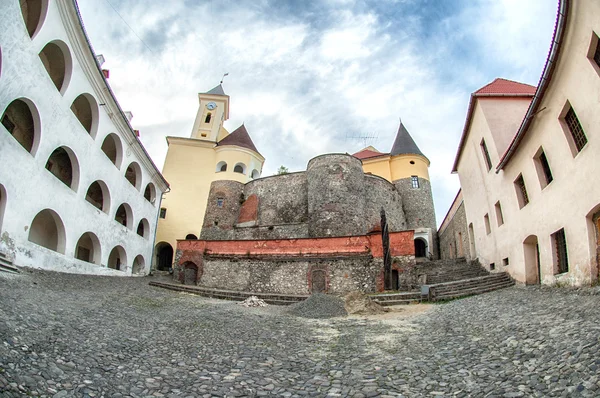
x,y
212,112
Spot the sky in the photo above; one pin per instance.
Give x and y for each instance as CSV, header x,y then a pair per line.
x,y
314,77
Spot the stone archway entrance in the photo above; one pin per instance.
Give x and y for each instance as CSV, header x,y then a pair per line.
x,y
420,248
531,252
190,273
319,281
164,256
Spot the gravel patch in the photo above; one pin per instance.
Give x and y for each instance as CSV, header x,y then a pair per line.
x,y
78,336
319,306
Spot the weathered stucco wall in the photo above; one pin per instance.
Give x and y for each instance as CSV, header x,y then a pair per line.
x,y
454,239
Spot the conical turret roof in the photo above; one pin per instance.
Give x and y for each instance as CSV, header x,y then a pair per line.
x,y
239,137
216,91
404,144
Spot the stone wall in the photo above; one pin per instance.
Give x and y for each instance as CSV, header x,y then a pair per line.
x,y
222,209
380,193
455,236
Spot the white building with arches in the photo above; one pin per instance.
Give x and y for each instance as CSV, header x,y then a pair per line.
x,y
78,191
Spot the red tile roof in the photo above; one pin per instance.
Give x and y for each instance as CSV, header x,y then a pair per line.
x,y
506,87
239,137
367,153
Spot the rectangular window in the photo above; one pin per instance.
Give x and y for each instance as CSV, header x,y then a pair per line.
x,y
561,260
220,202
594,52
521,191
414,181
577,133
486,220
499,216
492,266
486,155
597,52
163,212
543,168
505,262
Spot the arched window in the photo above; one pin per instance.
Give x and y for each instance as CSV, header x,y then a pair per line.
x,y
111,146
240,168
85,108
57,60
191,237
150,193
22,120
63,164
117,259
88,248
48,230
34,13
143,228
98,195
133,175
221,166
2,205
138,265
208,117
255,174
124,215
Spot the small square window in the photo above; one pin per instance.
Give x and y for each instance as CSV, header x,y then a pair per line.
x,y
499,216
486,220
521,190
163,212
414,181
220,202
561,258
505,262
492,266
486,155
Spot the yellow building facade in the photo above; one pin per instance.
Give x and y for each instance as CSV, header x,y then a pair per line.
x,y
192,164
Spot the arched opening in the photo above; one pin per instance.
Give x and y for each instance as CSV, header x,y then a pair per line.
x,y
117,259
98,195
191,237
395,280
22,120
48,230
63,164
208,117
190,273
138,265
133,175
143,228
150,193
34,13
240,168
88,248
124,216
56,58
318,281
472,242
593,221
164,256
255,174
221,166
421,248
85,109
111,146
2,204
531,252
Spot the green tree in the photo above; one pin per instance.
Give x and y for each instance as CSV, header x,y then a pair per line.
x,y
282,170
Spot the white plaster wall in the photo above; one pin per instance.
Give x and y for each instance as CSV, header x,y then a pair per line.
x,y
568,200
30,187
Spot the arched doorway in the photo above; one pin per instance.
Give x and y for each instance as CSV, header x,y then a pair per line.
x,y
48,230
2,204
138,265
56,58
63,164
22,120
531,253
117,259
190,273
88,248
34,13
472,242
164,256
98,196
420,248
318,281
111,146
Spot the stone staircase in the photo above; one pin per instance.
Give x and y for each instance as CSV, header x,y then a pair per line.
x,y
442,271
468,287
399,298
269,298
6,265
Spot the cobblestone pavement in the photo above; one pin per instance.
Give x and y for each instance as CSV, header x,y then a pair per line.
x,y
67,335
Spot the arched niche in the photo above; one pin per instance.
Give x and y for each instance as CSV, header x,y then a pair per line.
x,y
88,248
48,230
85,109
138,265
117,259
22,120
34,13
112,148
133,174
56,58
255,174
98,196
150,193
63,164
221,166
143,228
124,215
240,168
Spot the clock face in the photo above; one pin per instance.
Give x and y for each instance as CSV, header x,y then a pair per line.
x,y
211,105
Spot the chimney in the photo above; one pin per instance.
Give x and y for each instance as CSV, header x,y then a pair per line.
x,y
136,132
100,59
106,73
128,115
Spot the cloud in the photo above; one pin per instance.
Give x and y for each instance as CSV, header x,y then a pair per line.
x,y
307,77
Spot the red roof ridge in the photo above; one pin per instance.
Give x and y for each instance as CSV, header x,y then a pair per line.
x,y
367,154
501,86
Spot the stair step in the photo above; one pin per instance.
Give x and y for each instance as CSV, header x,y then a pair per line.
x,y
396,296
388,303
471,292
7,265
467,283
